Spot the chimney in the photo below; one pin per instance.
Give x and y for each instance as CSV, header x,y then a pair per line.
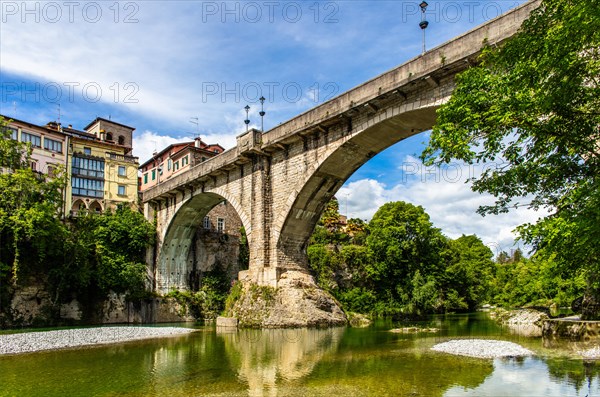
x,y
53,125
198,142
102,135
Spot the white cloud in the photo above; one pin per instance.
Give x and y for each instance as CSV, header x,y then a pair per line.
x,y
448,200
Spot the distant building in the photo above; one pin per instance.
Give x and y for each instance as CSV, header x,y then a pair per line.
x,y
49,147
175,159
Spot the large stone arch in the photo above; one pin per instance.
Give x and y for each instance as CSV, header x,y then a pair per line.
x,y
304,206
172,259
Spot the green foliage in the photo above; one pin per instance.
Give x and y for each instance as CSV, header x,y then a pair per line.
x,y
121,238
532,105
403,267
235,293
210,300
244,255
402,241
521,282
406,267
469,273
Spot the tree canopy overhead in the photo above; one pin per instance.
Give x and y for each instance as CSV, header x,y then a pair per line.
x,y
533,107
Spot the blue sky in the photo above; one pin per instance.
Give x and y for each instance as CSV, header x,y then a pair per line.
x,y
156,65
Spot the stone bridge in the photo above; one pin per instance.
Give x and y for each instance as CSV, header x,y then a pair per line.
x,y
279,181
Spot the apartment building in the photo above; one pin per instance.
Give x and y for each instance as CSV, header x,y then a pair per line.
x,y
103,173
49,147
175,159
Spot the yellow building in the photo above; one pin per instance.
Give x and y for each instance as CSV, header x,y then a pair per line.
x,y
102,171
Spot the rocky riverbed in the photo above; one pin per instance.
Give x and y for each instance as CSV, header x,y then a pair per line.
x,y
51,340
482,348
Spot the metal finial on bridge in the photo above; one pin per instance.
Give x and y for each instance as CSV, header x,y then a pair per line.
x,y
262,113
423,24
247,121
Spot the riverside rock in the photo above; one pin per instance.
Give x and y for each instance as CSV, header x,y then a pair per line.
x,y
295,302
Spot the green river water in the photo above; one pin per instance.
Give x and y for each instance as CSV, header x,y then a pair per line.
x,y
339,362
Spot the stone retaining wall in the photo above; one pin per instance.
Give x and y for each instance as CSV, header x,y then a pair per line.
x,y
571,329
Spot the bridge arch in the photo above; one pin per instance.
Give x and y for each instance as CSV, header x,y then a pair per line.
x,y
324,178
173,262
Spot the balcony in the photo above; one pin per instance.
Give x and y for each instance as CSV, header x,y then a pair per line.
x,y
121,157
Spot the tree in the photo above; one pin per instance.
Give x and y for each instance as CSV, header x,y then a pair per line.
x,y
30,230
469,273
121,238
533,106
402,241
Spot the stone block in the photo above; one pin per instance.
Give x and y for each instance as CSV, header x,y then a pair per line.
x,y
227,322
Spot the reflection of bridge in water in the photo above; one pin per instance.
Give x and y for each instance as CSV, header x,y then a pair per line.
x,y
268,359
279,181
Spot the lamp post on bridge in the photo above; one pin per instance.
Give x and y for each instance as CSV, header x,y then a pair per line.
x,y
247,121
262,113
423,24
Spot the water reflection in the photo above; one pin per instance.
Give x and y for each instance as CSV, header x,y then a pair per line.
x,y
302,362
268,358
533,376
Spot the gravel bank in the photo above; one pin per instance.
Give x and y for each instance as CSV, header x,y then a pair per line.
x,y
482,348
51,340
593,353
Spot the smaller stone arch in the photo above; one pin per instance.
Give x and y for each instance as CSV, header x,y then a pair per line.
x,y
121,140
109,136
95,207
78,206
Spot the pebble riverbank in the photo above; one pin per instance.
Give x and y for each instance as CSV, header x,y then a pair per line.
x,y
51,340
482,348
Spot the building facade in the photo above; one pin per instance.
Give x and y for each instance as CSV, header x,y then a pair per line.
x,y
49,147
103,173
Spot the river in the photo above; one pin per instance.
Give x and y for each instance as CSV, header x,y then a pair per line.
x,y
339,362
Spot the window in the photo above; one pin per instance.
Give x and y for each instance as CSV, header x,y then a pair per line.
x,y
145,178
160,169
34,166
206,222
108,136
121,140
184,161
51,144
35,140
87,167
122,170
153,174
121,190
13,133
220,225
216,150
87,187
169,164
176,167
87,150
51,170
